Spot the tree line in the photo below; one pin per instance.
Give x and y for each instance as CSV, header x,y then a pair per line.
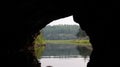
x,y
63,32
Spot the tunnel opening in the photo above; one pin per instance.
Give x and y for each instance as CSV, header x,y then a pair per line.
x,y
93,18
60,40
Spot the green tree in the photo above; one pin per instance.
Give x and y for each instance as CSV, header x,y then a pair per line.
x,y
58,32
39,45
81,34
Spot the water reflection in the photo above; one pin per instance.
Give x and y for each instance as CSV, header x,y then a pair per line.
x,y
62,55
84,51
63,50
64,62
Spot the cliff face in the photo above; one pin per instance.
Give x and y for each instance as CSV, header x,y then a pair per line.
x,y
29,17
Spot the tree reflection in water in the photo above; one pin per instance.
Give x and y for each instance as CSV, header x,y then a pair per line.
x,y
66,51
84,51
64,55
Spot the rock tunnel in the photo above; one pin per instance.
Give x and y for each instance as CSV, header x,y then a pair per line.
x,y
29,17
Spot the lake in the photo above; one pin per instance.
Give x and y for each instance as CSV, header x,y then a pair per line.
x,y
61,55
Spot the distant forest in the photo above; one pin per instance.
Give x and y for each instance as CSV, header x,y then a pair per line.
x,y
63,32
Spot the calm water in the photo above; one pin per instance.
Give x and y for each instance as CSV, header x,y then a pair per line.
x,y
64,62
64,56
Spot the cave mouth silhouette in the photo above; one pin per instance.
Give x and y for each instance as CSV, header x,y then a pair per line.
x,y
97,18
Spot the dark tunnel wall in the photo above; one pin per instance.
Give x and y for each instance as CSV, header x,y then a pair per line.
x,y
27,18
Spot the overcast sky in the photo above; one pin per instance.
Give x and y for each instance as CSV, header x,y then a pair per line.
x,y
66,21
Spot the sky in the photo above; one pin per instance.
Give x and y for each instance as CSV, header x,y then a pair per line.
x,y
64,21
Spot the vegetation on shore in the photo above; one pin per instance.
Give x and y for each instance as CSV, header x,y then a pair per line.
x,y
74,42
39,45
